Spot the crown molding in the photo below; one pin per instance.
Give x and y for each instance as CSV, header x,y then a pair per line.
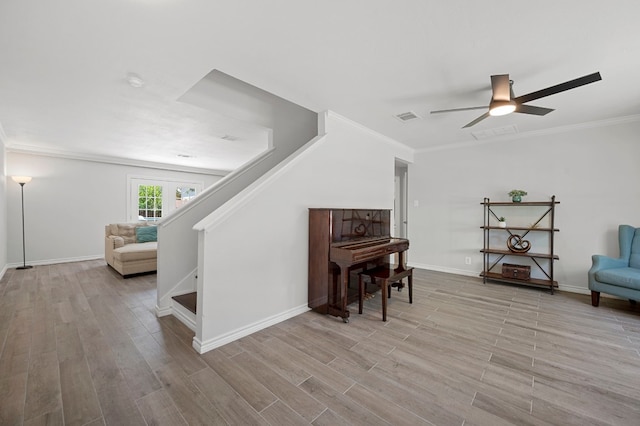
x,y
544,132
31,150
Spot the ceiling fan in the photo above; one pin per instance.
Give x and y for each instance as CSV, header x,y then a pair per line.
x,y
504,102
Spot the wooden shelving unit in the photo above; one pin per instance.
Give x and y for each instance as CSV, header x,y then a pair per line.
x,y
494,256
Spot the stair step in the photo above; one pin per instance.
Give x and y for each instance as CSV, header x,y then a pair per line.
x,y
188,300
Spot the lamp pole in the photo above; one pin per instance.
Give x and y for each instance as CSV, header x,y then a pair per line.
x,y
22,180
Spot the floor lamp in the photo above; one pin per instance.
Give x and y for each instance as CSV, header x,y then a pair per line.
x,y
22,180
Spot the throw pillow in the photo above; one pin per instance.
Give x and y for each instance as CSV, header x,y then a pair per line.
x,y
146,234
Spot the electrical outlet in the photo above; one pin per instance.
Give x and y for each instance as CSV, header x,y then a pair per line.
x,y
467,260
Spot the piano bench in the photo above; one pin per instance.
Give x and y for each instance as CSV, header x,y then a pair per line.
x,y
383,275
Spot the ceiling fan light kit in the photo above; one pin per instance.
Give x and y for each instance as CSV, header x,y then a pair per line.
x,y
504,102
498,108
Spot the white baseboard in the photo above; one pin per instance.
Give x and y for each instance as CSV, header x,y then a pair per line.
x,y
55,261
4,270
163,311
180,312
573,289
184,315
209,344
445,269
562,287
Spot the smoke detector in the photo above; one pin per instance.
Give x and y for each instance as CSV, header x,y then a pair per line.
x,y
135,80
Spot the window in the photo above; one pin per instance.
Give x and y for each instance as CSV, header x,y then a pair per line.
x,y
151,199
149,202
184,194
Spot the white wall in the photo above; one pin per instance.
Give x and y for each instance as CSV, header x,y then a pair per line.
x,y
68,203
593,171
253,266
3,210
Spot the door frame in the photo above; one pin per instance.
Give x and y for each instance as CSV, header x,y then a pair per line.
x,y
400,198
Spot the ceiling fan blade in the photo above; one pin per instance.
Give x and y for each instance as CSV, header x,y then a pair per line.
x,y
458,109
477,120
534,110
568,85
501,87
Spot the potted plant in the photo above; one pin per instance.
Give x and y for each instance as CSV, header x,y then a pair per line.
x,y
516,195
502,222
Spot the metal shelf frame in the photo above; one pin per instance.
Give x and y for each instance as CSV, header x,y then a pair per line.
x,y
493,257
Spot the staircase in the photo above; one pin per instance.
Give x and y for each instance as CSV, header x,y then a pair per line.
x,y
184,307
187,300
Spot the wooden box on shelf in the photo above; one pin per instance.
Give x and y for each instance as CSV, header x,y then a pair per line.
x,y
517,272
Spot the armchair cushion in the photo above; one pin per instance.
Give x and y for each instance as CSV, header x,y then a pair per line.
x,y
622,277
139,251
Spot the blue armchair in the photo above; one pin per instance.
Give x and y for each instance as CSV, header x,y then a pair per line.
x,y
618,276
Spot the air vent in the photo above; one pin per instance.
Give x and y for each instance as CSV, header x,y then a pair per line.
x,y
407,116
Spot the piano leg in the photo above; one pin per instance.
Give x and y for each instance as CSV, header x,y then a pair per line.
x,y
339,308
402,263
344,277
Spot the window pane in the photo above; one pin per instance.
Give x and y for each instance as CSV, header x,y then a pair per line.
x,y
184,194
149,202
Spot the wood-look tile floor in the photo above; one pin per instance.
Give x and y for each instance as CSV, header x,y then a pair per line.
x,y
82,346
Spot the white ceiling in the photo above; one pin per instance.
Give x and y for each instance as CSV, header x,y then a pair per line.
x,y
64,68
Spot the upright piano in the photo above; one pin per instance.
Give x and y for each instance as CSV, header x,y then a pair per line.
x,y
342,242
